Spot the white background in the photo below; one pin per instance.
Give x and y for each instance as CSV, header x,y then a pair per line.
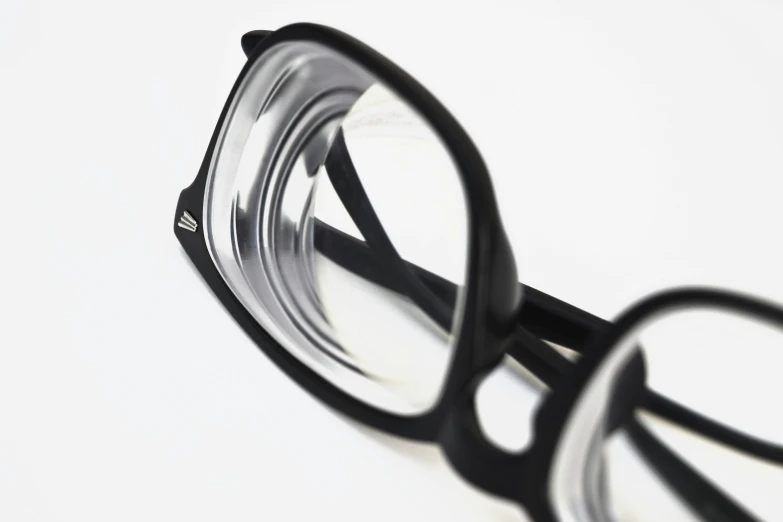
x,y
633,146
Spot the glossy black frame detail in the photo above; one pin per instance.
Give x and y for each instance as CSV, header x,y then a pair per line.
x,y
493,321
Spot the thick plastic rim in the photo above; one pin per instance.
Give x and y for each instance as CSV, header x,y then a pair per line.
x,y
492,295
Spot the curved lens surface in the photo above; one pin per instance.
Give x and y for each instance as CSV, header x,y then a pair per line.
x,y
337,216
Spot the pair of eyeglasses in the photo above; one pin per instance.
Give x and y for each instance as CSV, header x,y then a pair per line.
x,y
348,224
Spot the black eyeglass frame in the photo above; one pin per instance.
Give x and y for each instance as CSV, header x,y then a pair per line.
x,y
492,295
493,322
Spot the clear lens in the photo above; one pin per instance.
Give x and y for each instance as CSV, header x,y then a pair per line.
x,y
726,367
635,492
401,197
638,493
721,364
337,217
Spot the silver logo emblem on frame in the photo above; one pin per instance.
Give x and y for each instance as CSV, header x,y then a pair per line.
x,y
187,222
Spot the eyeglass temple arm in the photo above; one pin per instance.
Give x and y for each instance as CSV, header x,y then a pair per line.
x,y
347,185
527,348
697,492
548,366
546,314
547,318
543,316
